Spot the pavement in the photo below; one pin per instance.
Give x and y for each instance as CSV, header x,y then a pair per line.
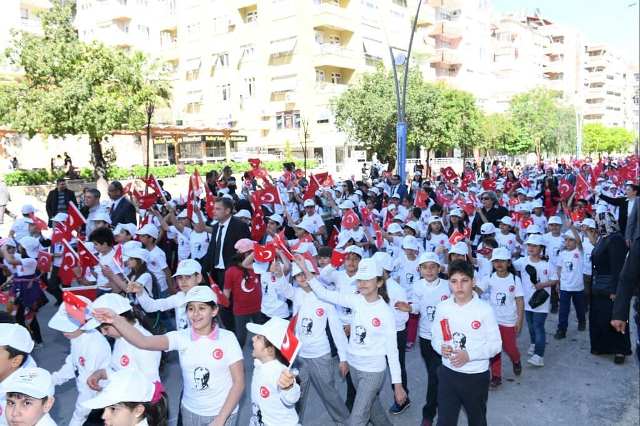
x,y
573,388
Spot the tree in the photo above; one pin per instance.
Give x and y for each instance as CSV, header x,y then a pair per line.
x,y
535,114
598,138
73,88
500,134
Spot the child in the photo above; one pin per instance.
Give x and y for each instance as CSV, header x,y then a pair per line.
x,y
89,352
437,241
15,346
506,238
536,274
124,232
210,358
103,242
29,394
571,283
427,293
468,341
507,300
538,216
131,399
406,273
22,226
157,264
553,242
274,390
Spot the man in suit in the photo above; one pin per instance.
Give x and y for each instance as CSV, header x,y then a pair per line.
x,y
624,204
58,199
221,250
397,186
122,211
629,277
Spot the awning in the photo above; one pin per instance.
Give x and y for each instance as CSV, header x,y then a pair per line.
x,y
373,48
323,115
284,84
282,46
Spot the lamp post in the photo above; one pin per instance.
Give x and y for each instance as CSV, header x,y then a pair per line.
x,y
401,98
150,109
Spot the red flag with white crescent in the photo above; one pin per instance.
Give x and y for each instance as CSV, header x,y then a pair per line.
x,y
350,220
75,219
264,253
290,345
70,261
44,261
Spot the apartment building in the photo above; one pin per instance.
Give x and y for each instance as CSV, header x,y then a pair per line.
x,y
632,94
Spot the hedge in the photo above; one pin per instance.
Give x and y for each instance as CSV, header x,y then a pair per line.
x,y
42,176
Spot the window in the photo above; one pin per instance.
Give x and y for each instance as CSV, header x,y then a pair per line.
x,y
224,92
336,78
319,75
335,40
193,107
215,149
250,85
288,120
24,14
223,60
220,25
160,151
144,30
252,16
248,50
193,30
193,69
191,149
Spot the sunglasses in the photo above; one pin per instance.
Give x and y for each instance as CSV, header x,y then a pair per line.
x,y
485,198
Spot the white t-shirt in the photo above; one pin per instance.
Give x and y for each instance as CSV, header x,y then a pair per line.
x,y
182,239
507,241
502,297
545,272
27,267
275,292
406,272
541,221
271,405
205,363
436,241
397,294
587,248
570,263
105,260
146,281
156,265
553,247
340,281
20,229
125,355
426,297
199,244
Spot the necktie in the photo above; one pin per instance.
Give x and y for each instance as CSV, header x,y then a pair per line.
x,y
216,254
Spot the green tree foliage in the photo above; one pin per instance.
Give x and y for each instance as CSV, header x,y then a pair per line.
x,y
500,134
73,88
598,138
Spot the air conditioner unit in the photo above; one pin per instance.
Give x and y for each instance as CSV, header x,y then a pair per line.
x,y
179,122
456,13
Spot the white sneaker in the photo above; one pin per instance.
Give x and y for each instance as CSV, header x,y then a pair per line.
x,y
536,361
532,349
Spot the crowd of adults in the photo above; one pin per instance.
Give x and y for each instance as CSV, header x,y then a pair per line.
x,y
362,271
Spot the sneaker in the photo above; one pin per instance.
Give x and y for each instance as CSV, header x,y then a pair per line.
x,y
582,326
536,361
397,409
560,334
495,382
517,368
532,349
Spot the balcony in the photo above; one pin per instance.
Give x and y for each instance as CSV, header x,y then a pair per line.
x,y
598,93
241,4
325,91
332,17
168,22
445,58
35,4
169,51
332,55
555,67
447,31
596,77
115,10
594,110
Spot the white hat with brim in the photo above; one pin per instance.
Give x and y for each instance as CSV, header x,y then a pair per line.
x,y
150,230
60,217
126,248
305,226
535,240
138,253
63,322
500,253
589,223
355,250
188,267
555,220
429,257
31,245
383,259
200,293
130,228
295,269
394,228
412,225
347,204
34,382
309,203
460,248
273,330
533,229
27,209
568,235
127,385
276,218
100,216
368,269
487,229
506,220
243,214
115,302
16,336
410,243
456,212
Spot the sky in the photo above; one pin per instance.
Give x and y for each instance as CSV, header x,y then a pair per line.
x,y
612,22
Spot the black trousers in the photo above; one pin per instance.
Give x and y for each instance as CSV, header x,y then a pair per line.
x,y
433,363
226,314
456,390
401,339
53,285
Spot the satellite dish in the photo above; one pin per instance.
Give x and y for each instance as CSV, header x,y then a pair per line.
x,y
400,58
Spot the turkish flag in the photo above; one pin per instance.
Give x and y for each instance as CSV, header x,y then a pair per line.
x,y
255,163
456,237
337,258
313,187
4,298
321,177
210,202
565,189
525,183
489,184
40,224
378,232
279,241
446,330
145,201
328,182
582,187
152,183
366,216
308,256
117,257
513,201
578,215
388,220
60,232
469,208
76,308
259,173
264,253
44,261
70,261
191,197
258,227
290,345
333,238
449,174
75,219
269,195
350,220
421,199
222,299
525,223
87,259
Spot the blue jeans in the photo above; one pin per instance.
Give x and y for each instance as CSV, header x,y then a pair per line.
x,y
565,307
535,323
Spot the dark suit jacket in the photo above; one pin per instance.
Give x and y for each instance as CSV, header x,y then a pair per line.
x,y
52,201
622,203
630,274
125,212
236,231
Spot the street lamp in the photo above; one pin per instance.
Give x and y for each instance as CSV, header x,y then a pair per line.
x,y
150,109
401,98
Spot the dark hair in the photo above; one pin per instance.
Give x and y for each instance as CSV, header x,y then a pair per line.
x,y
325,251
435,208
276,351
13,352
139,270
350,189
61,180
103,236
226,203
416,212
117,186
156,413
382,290
20,395
94,192
7,318
461,267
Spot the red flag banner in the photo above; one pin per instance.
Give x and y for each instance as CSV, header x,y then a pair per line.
x,y
279,241
290,345
269,195
449,174
75,219
582,187
350,220
337,258
70,261
60,232
40,224
565,189
456,237
489,184
76,308
378,233
254,162
421,199
311,190
210,202
117,257
264,253
258,227
87,259
222,299
44,261
333,238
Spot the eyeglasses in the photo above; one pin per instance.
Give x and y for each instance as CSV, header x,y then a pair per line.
x,y
485,198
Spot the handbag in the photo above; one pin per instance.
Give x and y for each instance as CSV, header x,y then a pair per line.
x,y
538,298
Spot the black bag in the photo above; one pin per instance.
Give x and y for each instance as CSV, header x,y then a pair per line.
x,y
603,285
538,298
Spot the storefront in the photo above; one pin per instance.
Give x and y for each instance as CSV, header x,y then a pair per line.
x,y
193,148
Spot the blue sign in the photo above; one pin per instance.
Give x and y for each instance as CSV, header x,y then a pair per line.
x,y
401,138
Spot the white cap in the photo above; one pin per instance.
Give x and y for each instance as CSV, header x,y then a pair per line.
x,y
412,225
433,219
523,207
343,238
428,257
188,267
126,385
456,212
8,242
399,217
569,235
28,209
34,382
61,320
555,220
358,192
487,229
243,214
184,214
536,240
276,218
200,293
589,223
384,260
31,245
150,230
500,253
391,207
394,228
273,330
309,203
60,217
16,336
126,248
410,243
347,204
115,302
138,253
244,245
295,269
507,220
522,191
533,229
536,204
460,248
129,227
100,215
396,195
305,225
368,269
356,250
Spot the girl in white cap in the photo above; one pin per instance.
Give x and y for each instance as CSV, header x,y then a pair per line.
x,y
406,273
273,281
131,399
506,238
437,241
274,389
372,344
178,229
210,359
103,241
89,352
157,264
29,394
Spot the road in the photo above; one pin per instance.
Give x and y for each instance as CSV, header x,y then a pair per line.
x,y
574,387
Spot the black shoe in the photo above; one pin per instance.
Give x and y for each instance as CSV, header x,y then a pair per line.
x,y
582,326
398,409
618,359
560,334
517,368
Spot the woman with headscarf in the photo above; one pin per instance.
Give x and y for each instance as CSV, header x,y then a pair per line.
x,y
607,258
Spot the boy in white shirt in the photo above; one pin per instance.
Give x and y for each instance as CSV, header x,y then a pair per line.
x,y
29,395
15,346
571,282
157,263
